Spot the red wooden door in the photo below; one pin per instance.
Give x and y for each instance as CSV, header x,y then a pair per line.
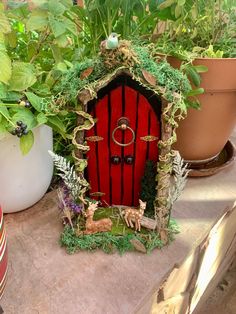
x,y
114,171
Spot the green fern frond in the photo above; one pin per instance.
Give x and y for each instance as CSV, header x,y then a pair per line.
x,y
180,177
67,173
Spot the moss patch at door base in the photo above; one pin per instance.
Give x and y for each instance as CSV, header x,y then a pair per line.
x,y
121,238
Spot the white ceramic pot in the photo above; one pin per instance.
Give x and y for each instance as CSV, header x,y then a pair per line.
x,y
25,179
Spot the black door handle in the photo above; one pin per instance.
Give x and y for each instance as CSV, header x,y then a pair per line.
x,y
115,160
129,159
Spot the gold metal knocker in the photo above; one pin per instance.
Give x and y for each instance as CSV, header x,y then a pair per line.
x,y
123,125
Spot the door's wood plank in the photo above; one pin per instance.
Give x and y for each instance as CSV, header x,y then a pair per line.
x,y
130,113
141,146
116,113
155,131
103,148
121,183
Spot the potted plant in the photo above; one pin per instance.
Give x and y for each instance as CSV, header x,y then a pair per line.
x,y
36,47
202,34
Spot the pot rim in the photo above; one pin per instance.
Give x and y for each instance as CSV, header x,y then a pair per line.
x,y
199,58
215,59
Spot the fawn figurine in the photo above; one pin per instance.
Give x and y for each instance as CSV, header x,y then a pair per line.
x,y
133,214
92,226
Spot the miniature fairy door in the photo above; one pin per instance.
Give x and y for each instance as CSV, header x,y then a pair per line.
x,y
124,137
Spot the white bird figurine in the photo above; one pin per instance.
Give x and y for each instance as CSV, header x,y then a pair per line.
x,y
111,42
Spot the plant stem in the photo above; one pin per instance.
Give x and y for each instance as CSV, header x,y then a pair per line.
x,y
40,42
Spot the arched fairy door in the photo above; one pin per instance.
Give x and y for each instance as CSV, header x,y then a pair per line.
x,y
124,137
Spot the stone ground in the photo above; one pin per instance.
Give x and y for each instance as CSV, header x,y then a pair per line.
x,y
44,279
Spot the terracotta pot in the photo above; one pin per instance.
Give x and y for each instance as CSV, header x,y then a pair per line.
x,y
204,133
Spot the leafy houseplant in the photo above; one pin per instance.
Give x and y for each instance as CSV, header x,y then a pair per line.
x,y
204,32
132,19
36,47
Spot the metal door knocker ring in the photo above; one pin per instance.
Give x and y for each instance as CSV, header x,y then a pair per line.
x,y
123,125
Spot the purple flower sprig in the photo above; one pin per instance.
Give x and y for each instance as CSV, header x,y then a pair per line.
x,y
76,208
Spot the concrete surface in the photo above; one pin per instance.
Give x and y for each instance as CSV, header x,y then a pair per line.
x,y
44,279
223,298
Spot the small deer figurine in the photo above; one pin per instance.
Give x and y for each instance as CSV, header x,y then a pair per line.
x,y
133,214
92,226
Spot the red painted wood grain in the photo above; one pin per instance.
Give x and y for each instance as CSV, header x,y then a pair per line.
x,y
121,183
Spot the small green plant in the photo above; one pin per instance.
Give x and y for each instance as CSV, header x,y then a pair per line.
x,y
129,18
36,48
201,28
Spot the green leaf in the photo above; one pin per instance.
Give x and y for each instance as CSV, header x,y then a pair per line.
x,y
69,64
4,112
71,26
193,104
12,97
193,75
35,101
39,3
57,125
58,28
26,142
12,39
61,66
2,41
38,20
4,128
195,92
219,54
178,11
32,48
3,92
25,115
181,2
20,27
55,7
23,76
56,51
200,68
5,67
41,118
166,4
62,41
67,3
49,79
5,26
41,89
